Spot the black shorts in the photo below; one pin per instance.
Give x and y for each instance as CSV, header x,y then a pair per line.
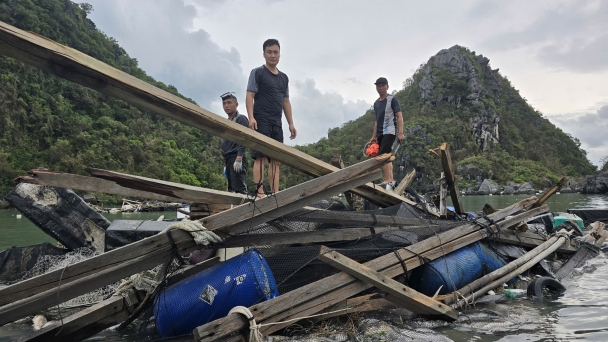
x,y
270,130
386,143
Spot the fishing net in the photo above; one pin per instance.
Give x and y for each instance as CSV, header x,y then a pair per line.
x,y
50,263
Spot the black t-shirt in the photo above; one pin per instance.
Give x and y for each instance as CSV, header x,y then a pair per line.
x,y
270,91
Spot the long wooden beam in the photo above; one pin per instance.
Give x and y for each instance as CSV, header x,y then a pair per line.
x,y
405,296
82,285
240,219
78,67
152,245
177,190
326,292
355,219
446,163
317,236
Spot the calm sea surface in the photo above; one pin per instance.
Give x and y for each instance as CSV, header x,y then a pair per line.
x,y
580,314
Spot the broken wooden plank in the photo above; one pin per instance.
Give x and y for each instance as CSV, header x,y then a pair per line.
x,y
365,303
92,184
589,248
450,178
532,240
318,236
155,246
411,299
72,289
443,195
405,182
324,293
550,192
61,214
87,322
171,189
78,67
242,218
354,219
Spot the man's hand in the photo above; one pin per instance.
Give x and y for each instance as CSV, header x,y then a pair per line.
x,y
292,130
401,138
253,124
373,139
238,165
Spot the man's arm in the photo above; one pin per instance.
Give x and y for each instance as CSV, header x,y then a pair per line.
x,y
240,152
400,135
374,137
249,105
287,110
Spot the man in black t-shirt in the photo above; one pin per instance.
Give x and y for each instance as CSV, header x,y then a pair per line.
x,y
235,156
267,99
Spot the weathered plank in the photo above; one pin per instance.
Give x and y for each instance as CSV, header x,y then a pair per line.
x,y
405,182
77,287
411,299
550,192
354,219
321,294
443,195
87,322
171,189
359,304
78,182
318,236
248,215
446,163
78,67
150,246
525,239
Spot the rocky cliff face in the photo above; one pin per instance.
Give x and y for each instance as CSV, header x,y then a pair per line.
x,y
470,88
596,184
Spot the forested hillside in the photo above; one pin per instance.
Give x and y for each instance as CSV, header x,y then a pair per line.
x,y
50,122
456,97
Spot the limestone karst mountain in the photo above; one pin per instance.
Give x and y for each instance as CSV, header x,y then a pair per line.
x,y
493,132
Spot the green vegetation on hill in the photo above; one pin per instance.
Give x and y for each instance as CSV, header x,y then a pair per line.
x,y
54,123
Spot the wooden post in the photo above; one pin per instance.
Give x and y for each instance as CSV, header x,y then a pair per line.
x,y
443,194
75,66
446,163
530,240
329,291
405,182
403,295
550,192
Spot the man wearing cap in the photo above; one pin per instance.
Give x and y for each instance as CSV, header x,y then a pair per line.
x,y
235,156
267,99
388,126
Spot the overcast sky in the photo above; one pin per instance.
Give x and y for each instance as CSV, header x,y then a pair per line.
x,y
554,52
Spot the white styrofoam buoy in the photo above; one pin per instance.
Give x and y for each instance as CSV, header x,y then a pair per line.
x,y
18,216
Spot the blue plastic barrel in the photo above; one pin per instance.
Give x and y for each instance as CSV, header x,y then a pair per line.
x,y
456,269
241,281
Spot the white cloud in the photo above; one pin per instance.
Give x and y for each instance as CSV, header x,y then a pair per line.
x,y
315,112
590,128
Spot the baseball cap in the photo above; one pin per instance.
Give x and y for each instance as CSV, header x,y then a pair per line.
x,y
381,80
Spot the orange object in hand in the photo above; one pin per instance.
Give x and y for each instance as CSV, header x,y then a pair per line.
x,y
372,150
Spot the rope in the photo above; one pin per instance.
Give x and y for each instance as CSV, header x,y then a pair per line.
x,y
254,329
